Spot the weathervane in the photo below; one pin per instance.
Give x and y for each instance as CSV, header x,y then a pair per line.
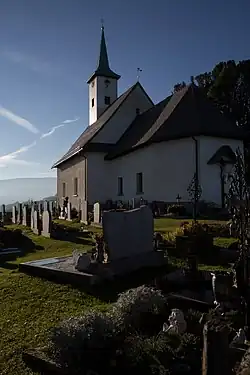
x,y
139,70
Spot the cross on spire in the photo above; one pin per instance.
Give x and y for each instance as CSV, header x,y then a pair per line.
x,y
102,23
139,70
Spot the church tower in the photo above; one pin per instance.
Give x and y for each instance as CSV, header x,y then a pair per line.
x,y
102,84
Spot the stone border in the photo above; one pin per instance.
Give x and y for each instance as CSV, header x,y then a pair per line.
x,y
55,275
40,365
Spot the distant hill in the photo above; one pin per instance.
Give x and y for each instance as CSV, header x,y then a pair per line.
x,y
23,189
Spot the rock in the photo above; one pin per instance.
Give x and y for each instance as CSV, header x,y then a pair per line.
x,y
81,261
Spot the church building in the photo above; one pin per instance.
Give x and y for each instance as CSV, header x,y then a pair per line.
x,y
133,148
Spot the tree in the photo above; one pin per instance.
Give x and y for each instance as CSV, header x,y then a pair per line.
x,y
228,85
179,86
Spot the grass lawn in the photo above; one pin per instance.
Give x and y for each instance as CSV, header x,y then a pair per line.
x,y
169,225
31,306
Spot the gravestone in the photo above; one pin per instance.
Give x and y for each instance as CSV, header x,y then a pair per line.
x,y
40,208
19,213
14,215
36,222
3,213
84,212
51,207
24,216
128,233
45,206
47,221
69,208
97,213
32,216
133,203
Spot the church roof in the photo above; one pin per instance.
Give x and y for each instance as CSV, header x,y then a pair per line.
x,y
93,129
224,153
103,68
186,113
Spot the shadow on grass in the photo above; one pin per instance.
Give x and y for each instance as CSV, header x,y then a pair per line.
x,y
10,238
108,291
79,238
8,266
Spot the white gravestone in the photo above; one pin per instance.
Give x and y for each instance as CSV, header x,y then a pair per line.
x,y
97,213
32,217
19,213
24,218
46,218
84,212
36,220
14,215
69,208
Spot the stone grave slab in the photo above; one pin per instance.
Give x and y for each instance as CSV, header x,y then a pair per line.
x,y
128,233
9,253
60,269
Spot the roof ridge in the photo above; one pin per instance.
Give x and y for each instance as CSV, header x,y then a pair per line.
x,y
177,95
93,129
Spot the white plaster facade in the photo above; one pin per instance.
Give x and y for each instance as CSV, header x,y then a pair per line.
x,y
167,169
124,116
99,88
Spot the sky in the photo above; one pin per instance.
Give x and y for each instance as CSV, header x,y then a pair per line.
x,y
49,49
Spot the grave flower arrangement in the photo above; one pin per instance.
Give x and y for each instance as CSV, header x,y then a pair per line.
x,y
136,304
194,235
120,339
76,341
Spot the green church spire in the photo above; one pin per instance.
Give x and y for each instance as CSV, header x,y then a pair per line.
x,y
103,68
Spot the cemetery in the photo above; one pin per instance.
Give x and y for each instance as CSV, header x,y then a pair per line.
x,y
117,290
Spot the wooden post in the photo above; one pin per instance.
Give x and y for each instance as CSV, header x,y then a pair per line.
x,y
215,357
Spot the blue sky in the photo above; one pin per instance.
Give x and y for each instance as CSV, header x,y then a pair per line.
x,y
49,49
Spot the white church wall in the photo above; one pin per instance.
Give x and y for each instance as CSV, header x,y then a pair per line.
x,y
98,89
167,169
209,175
117,125
97,177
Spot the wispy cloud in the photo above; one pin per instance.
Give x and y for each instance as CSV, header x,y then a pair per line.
x,y
12,158
18,120
70,121
52,130
30,62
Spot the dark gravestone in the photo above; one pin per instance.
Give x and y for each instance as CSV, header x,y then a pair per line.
x,y
3,213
